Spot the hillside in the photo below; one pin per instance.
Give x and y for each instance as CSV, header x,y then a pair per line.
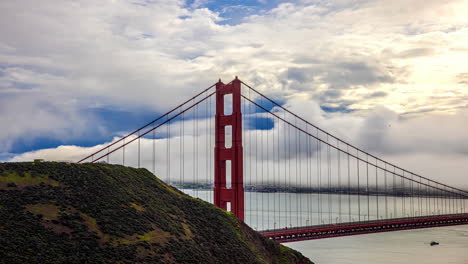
x,y
96,213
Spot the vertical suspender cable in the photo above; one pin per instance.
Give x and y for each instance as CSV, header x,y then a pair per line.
x,y
308,191
358,186
444,200
286,157
194,153
154,152
180,147
319,178
395,195
403,209
311,184
349,184
448,199
267,168
138,149
196,150
339,180
329,182
169,152
289,176
257,180
454,202
367,187
419,197
377,190
412,196
207,156
183,148
279,171
297,173
386,191
250,157
273,173
263,163
429,198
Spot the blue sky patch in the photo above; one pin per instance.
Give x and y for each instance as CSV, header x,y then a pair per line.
x,y
338,109
235,11
259,123
111,122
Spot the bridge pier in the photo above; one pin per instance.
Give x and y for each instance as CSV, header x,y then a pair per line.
x,y
222,193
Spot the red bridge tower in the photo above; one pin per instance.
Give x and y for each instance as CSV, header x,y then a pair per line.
x,y
222,193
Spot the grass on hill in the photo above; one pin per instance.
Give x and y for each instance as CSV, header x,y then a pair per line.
x,y
54,212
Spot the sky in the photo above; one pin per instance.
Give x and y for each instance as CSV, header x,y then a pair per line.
x,y
390,77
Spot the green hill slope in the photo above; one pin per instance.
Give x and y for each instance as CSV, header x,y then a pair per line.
x,y
97,213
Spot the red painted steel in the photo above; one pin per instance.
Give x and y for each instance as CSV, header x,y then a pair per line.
x,y
222,194
368,227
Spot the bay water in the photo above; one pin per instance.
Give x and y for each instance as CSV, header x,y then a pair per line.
x,y
286,210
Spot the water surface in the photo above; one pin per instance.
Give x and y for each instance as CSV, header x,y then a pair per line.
x,y
402,247
270,210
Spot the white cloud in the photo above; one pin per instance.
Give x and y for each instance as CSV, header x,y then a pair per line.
x,y
124,53
34,116
419,144
392,61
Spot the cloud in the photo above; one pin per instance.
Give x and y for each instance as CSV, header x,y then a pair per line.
x,y
371,64
411,143
34,115
416,52
462,78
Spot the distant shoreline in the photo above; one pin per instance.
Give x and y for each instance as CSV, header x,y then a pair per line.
x,y
400,192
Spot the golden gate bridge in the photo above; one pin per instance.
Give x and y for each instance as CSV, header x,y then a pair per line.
x,y
284,176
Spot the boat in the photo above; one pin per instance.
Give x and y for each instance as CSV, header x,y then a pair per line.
x,y
434,243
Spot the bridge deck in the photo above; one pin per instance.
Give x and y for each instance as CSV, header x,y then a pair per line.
x,y
363,227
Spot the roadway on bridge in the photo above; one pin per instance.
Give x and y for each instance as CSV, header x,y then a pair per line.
x,y
365,227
